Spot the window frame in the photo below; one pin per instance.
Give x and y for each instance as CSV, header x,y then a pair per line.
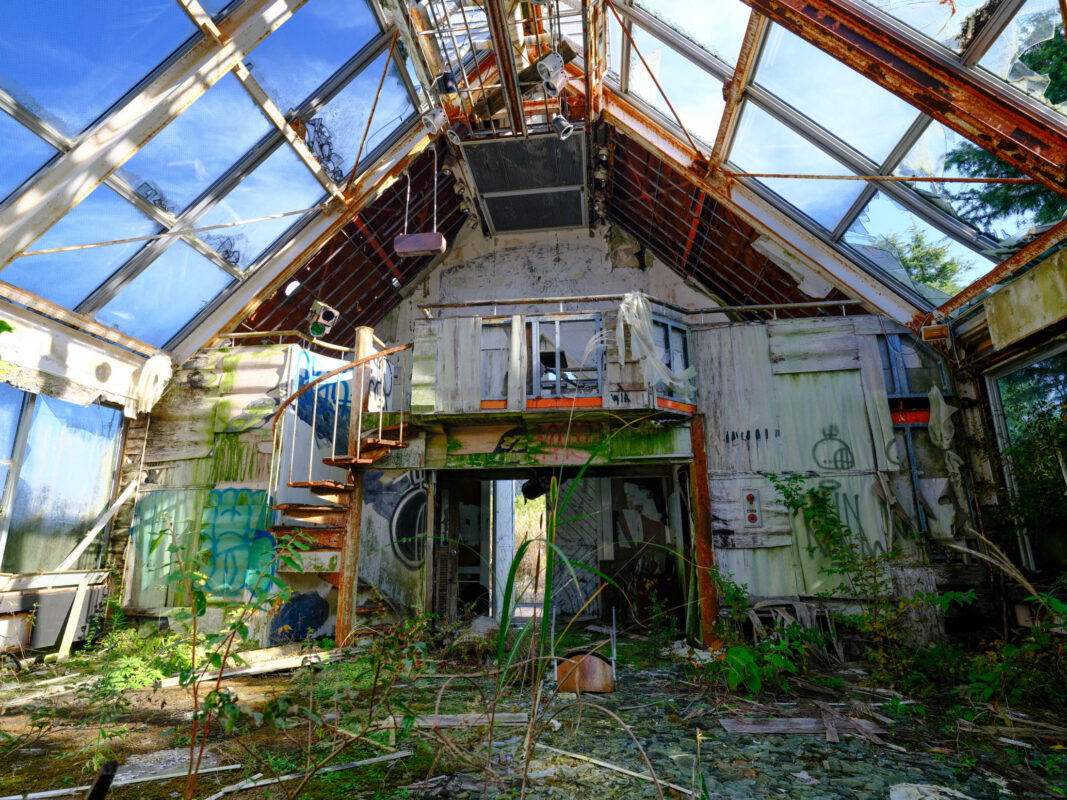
x,y
534,382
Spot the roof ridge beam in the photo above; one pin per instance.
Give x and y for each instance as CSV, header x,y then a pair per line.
x,y
1030,138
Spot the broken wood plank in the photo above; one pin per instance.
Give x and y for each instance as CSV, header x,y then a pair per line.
x,y
615,768
72,790
472,720
798,725
252,784
288,662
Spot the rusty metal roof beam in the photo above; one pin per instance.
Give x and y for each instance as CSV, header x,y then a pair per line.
x,y
734,88
1031,139
496,14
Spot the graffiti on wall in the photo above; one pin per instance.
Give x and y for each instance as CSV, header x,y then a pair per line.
x,y
233,532
403,503
833,454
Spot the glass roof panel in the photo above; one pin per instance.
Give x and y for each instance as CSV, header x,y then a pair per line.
x,y
68,278
943,22
696,95
888,235
319,38
164,297
468,26
69,61
24,152
1031,53
763,144
334,134
848,105
281,183
719,31
943,152
193,151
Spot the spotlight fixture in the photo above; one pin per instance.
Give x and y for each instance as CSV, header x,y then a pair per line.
x,y
535,487
321,318
562,126
553,78
452,136
449,165
433,120
291,287
445,83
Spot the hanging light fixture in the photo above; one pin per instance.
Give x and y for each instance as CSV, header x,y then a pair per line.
x,y
410,245
562,126
553,77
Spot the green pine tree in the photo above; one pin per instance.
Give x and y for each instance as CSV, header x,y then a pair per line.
x,y
985,204
925,261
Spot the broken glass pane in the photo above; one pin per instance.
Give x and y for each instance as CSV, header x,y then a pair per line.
x,y
24,152
1030,54
281,183
848,105
10,408
912,251
68,278
720,31
187,156
310,47
695,95
68,62
939,20
928,157
165,296
495,360
334,134
579,359
763,144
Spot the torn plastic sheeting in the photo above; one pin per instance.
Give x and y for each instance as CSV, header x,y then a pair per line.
x,y
636,312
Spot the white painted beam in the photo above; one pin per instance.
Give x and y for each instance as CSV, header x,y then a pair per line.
x,y
112,141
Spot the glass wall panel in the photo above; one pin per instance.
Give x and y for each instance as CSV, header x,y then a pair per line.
x,y
719,29
762,144
848,105
68,278
695,94
10,405
165,296
1031,52
579,358
198,147
310,47
281,183
24,152
943,22
69,61
912,251
335,132
65,482
999,210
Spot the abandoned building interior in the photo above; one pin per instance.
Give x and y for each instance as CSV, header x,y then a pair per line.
x,y
556,315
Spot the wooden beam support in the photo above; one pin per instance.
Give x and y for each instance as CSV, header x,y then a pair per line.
x,y
700,498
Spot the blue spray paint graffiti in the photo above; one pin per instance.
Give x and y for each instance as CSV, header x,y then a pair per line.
x,y
334,396
233,532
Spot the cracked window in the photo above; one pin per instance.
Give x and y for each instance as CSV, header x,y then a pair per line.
x,y
68,278
719,32
165,296
280,184
68,62
1031,54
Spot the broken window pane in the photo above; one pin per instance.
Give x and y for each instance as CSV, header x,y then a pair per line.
x,y
495,361
941,21
310,47
187,156
1030,54
912,251
281,183
719,31
848,105
54,504
928,157
579,358
763,144
335,133
68,62
24,152
165,296
68,278
695,95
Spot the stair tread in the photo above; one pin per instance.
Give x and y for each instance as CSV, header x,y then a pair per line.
x,y
372,442
325,529
306,507
332,486
345,460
